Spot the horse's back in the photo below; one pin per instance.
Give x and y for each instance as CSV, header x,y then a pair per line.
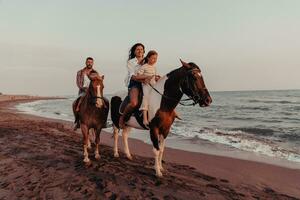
x,y
155,97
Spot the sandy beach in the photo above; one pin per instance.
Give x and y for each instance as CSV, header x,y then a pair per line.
x,y
41,158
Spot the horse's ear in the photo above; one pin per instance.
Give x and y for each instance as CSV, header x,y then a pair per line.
x,y
102,77
184,64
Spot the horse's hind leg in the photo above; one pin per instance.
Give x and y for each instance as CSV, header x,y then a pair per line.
x,y
125,133
85,131
116,137
97,142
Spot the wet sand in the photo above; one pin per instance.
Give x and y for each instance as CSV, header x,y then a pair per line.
x,y
42,159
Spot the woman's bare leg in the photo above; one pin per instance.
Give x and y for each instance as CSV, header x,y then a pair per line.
x,y
133,96
145,118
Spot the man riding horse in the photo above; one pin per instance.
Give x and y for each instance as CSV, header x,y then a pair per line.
x,y
83,81
91,108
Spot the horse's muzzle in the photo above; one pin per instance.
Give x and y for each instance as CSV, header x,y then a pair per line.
x,y
206,102
99,103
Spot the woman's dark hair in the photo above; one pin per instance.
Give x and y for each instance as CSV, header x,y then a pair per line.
x,y
132,50
149,54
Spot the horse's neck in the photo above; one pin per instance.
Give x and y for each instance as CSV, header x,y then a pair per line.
x,y
87,97
172,91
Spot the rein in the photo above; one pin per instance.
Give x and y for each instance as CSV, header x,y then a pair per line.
x,y
196,99
173,99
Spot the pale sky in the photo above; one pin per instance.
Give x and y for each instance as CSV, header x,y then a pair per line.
x,y
239,44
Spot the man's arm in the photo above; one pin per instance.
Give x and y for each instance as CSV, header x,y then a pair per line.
x,y
79,80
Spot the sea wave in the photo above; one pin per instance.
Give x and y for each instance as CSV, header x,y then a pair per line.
x,y
256,131
239,140
273,101
255,108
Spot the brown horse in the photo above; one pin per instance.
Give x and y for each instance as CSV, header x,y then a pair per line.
x,y
164,98
92,114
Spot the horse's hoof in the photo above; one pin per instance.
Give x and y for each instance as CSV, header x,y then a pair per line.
x,y
159,174
116,155
97,157
86,160
87,163
129,157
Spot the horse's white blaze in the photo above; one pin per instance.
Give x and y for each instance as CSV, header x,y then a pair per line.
x,y
154,103
98,101
199,74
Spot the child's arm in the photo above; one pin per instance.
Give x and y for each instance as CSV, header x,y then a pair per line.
x,y
157,77
143,77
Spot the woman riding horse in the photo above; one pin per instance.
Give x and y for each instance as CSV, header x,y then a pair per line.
x,y
164,98
133,81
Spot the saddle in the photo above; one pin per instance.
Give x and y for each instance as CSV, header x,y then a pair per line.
x,y
137,113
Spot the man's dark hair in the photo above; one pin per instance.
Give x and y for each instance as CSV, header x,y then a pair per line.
x,y
89,58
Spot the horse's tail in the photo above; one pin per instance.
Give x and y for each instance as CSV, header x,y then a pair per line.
x,y
115,103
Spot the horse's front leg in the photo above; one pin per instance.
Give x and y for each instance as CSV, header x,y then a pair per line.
x,y
85,134
125,133
116,137
97,142
91,137
161,152
154,133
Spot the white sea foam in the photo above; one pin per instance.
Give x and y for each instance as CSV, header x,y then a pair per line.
x,y
264,130
240,140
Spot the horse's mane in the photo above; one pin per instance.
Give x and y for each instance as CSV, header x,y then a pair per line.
x,y
181,70
175,72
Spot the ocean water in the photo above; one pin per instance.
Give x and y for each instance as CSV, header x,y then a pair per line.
x,y
263,122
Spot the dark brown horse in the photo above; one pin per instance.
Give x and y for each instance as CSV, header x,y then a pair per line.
x,y
92,114
164,98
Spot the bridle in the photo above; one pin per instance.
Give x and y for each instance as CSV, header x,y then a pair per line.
x,y
194,97
94,97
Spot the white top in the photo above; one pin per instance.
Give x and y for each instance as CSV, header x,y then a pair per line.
x,y
132,67
86,81
147,70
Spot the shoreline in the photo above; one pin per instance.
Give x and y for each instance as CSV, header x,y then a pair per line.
x,y
188,144
255,176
